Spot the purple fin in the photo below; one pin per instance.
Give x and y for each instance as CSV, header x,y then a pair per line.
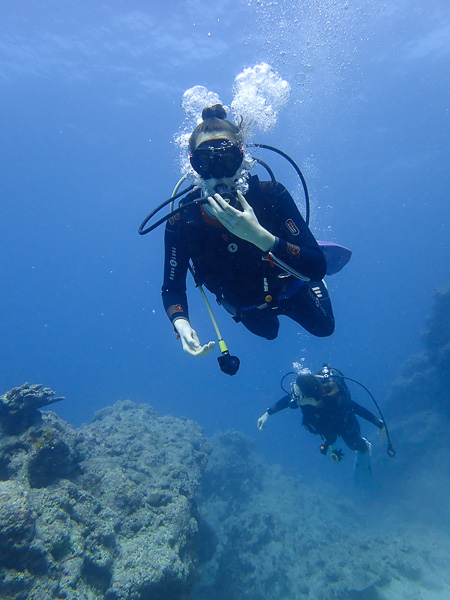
x,y
336,256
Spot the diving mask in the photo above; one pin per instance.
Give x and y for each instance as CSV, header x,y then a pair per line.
x,y
217,159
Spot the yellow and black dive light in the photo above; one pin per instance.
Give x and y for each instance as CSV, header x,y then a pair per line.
x,y
228,364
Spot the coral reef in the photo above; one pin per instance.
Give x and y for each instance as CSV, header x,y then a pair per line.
x,y
419,413
135,506
278,538
425,378
106,511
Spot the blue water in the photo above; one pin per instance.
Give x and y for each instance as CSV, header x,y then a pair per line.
x,y
90,103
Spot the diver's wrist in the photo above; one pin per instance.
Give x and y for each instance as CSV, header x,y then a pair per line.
x,y
264,240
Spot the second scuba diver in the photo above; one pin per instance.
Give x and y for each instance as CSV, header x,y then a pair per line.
x,y
329,411
253,251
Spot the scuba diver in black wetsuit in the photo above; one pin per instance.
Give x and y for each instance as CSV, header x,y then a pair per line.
x,y
253,250
329,411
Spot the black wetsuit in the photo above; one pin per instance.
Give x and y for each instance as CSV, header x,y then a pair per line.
x,y
244,280
336,416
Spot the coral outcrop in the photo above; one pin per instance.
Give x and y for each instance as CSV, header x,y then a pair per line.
x,y
419,411
424,382
19,408
106,511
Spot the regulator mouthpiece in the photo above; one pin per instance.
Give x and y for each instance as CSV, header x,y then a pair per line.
x,y
228,194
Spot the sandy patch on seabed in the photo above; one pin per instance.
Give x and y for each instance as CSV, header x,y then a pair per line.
x,y
405,590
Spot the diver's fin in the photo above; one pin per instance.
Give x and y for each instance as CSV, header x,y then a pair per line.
x,y
362,471
336,256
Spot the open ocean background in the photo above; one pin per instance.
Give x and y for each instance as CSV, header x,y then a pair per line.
x,y
90,102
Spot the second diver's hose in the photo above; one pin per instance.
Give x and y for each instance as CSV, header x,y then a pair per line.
x,y
390,449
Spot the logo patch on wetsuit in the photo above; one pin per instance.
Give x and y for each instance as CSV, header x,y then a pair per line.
x,y
293,250
315,294
173,263
292,227
174,218
232,247
175,308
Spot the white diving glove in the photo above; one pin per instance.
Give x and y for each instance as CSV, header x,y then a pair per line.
x,y
262,421
189,339
242,223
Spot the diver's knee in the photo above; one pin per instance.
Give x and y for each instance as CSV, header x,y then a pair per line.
x,y
270,335
261,325
325,330
362,446
270,329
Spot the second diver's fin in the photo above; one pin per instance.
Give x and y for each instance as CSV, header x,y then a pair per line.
x,y
336,256
362,471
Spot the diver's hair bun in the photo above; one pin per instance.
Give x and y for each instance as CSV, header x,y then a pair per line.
x,y
217,111
214,124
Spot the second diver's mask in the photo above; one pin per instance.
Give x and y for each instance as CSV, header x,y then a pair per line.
x,y
216,159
